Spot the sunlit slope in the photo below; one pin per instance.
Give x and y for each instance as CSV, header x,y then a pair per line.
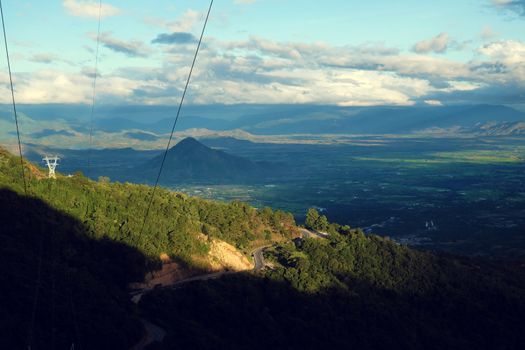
x,y
179,226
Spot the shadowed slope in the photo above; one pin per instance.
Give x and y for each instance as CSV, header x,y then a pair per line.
x,y
82,297
349,292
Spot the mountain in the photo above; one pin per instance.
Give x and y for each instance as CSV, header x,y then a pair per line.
x,y
227,142
192,162
376,120
498,129
71,248
311,119
146,125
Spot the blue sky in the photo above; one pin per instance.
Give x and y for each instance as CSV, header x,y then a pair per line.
x,y
374,52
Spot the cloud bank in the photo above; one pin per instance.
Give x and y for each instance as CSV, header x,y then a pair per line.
x,y
89,9
258,70
517,6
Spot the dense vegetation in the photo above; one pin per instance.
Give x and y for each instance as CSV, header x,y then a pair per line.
x,y
315,221
350,291
84,238
59,285
116,211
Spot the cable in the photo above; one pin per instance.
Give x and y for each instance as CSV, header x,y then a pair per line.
x,y
13,99
91,117
94,91
176,120
39,269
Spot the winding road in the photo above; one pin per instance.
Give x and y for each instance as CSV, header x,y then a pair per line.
x,y
155,333
258,258
305,233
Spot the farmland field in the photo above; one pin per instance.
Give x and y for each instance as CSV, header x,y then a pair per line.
x,y
460,195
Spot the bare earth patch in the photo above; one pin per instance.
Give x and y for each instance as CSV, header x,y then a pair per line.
x,y
224,256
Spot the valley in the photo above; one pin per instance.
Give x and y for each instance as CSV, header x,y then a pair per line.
x,y
472,188
346,279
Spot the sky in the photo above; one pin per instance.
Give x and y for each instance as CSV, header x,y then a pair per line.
x,y
333,52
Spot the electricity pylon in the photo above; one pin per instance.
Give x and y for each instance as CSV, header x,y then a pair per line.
x,y
51,163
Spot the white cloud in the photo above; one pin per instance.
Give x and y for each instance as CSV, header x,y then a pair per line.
x,y
517,6
186,22
89,8
433,103
131,48
508,51
263,71
438,44
243,2
348,88
505,63
53,86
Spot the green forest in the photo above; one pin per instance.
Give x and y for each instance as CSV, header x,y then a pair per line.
x,y
349,291
80,242
116,211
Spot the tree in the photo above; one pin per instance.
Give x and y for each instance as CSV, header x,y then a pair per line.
x,y
311,218
322,223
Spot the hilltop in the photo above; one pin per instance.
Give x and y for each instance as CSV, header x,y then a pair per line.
x,y
190,161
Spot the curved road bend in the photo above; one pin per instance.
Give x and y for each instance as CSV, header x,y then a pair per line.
x,y
258,258
155,333
305,233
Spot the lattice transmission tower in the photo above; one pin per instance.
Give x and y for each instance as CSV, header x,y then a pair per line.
x,y
51,163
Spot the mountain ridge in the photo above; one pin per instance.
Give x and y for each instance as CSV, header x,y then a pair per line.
x,y
148,125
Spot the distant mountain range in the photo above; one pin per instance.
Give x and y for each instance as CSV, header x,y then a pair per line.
x,y
146,127
289,120
500,129
192,162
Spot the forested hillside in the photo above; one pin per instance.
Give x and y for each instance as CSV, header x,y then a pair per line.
x,y
72,247
116,211
79,244
349,291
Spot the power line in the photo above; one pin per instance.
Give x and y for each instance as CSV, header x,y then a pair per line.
x,y
13,99
176,120
94,90
39,268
